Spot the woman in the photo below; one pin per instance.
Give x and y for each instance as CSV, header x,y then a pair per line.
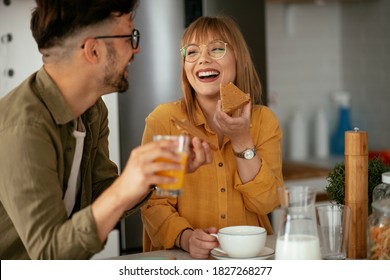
x,y
232,190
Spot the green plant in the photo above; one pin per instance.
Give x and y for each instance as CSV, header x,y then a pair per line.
x,y
336,177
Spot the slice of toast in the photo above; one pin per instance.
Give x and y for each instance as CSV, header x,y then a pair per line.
x,y
186,127
232,98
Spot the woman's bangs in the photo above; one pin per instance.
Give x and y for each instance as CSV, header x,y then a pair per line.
x,y
202,32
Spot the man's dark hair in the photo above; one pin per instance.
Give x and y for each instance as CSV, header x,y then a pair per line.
x,y
54,20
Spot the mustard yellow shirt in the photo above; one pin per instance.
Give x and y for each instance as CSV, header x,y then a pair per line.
x,y
214,195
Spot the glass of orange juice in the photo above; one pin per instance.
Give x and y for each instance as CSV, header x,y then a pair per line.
x,y
174,189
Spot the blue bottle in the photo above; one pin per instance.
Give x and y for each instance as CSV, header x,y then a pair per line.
x,y
344,123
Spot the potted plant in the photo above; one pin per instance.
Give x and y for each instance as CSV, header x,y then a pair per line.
x,y
336,179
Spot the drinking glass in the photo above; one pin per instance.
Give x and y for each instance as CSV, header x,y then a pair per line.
x,y
333,226
174,189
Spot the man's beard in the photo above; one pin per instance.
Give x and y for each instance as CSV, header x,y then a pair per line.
x,y
121,84
111,79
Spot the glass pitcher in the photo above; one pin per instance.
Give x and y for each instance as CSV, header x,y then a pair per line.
x,y
297,236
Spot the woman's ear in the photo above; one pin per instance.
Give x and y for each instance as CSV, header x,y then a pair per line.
x,y
91,50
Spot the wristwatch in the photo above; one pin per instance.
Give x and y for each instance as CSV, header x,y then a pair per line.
x,y
247,153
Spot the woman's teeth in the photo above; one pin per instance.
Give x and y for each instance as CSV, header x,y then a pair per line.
x,y
207,74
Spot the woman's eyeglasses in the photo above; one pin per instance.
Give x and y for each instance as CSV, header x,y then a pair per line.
x,y
215,49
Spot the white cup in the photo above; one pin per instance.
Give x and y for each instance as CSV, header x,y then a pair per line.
x,y
241,241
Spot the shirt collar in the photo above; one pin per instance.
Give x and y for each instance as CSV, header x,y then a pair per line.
x,y
55,102
199,116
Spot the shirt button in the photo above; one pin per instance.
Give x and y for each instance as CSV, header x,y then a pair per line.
x,y
223,189
223,216
220,164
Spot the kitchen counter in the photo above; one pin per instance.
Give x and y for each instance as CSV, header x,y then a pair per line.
x,y
297,170
304,174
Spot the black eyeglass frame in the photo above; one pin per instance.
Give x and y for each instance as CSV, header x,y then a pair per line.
x,y
134,42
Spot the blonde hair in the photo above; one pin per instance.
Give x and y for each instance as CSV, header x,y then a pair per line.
x,y
227,30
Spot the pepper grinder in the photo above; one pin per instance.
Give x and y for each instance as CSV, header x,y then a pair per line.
x,y
356,191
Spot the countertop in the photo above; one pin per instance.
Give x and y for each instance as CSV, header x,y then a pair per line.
x,y
297,170
310,172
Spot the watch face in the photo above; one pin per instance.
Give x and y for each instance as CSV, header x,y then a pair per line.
x,y
249,154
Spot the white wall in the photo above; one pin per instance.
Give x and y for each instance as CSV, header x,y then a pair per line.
x,y
314,50
365,34
304,63
21,54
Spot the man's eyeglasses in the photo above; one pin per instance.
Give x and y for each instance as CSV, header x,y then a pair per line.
x,y
215,49
134,38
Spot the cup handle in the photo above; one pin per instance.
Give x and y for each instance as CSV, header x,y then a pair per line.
x,y
214,234
218,248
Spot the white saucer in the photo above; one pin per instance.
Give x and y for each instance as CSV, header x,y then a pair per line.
x,y
265,253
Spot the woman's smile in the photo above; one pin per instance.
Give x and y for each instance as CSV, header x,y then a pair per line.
x,y
208,75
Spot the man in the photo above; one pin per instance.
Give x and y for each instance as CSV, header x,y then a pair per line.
x,y
60,195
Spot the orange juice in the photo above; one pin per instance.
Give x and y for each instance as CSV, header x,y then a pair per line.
x,y
174,189
178,174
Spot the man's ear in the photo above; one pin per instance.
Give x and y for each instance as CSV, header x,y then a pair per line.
x,y
91,50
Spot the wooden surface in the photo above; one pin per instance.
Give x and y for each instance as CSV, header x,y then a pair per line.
x,y
295,170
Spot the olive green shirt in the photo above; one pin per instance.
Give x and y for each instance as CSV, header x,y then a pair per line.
x,y
36,154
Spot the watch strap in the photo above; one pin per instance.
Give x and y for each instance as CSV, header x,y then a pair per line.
x,y
242,153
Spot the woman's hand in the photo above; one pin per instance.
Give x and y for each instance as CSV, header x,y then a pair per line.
x,y
237,129
199,155
199,242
